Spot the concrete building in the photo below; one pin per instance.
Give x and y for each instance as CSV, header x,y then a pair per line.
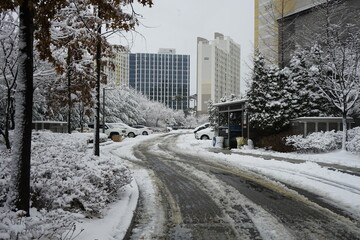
x,y
119,75
162,76
282,25
218,70
267,25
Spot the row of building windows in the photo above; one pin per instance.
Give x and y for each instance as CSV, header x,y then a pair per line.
x,y
161,77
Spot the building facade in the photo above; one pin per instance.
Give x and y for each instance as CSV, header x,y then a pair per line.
x,y
218,70
162,76
120,74
283,25
268,27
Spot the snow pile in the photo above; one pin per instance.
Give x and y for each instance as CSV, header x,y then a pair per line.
x,y
325,141
67,183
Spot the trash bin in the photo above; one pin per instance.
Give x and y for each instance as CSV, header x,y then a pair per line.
x,y
241,141
218,142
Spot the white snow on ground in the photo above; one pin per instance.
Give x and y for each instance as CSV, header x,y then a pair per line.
x,y
117,218
115,224
341,188
337,157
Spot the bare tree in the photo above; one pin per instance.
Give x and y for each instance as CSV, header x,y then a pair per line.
x,y
273,39
336,71
8,66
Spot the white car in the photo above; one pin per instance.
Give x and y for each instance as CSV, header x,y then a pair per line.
x,y
113,129
205,134
125,129
201,127
145,130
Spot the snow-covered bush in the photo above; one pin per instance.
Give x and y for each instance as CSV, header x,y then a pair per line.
x,y
66,179
353,144
325,141
316,142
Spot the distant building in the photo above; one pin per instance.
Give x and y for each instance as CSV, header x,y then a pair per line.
x,y
120,74
282,25
218,70
163,77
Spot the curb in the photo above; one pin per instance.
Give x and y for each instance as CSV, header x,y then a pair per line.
x,y
135,210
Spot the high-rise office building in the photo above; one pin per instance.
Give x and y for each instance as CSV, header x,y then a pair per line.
x,y
218,70
162,76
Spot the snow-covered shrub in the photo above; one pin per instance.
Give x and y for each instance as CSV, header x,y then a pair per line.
x,y
66,179
353,144
316,142
56,224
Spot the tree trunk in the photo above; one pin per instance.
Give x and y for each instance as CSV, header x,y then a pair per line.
x,y
7,119
19,198
344,135
98,78
68,76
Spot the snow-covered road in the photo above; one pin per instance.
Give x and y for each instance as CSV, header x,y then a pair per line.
x,y
187,191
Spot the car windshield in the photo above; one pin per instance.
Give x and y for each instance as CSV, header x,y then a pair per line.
x,y
116,125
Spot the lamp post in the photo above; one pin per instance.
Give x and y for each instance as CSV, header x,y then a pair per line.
x,y
103,112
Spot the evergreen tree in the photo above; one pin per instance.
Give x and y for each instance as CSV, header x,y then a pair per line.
x,y
306,97
213,115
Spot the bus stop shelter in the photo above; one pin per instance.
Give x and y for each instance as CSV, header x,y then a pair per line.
x,y
233,121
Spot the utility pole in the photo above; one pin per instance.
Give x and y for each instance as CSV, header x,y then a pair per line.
x,y
97,88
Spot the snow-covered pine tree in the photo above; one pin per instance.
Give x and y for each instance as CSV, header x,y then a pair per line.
x,y
213,113
306,97
269,99
257,92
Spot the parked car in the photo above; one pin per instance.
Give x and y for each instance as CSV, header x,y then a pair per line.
x,y
205,134
145,130
112,129
126,129
201,127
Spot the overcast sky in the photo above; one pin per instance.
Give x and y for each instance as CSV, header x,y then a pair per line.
x,y
178,23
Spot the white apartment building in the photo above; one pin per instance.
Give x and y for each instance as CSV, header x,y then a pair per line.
x,y
218,70
119,75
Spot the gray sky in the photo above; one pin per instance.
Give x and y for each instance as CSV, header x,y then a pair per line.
x,y
177,24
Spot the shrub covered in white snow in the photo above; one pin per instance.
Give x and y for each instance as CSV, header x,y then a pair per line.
x,y
66,180
353,143
325,141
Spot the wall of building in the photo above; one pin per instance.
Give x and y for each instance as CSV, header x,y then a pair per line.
x,y
308,27
267,15
281,25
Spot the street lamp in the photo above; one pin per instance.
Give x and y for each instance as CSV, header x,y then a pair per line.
x,y
103,112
